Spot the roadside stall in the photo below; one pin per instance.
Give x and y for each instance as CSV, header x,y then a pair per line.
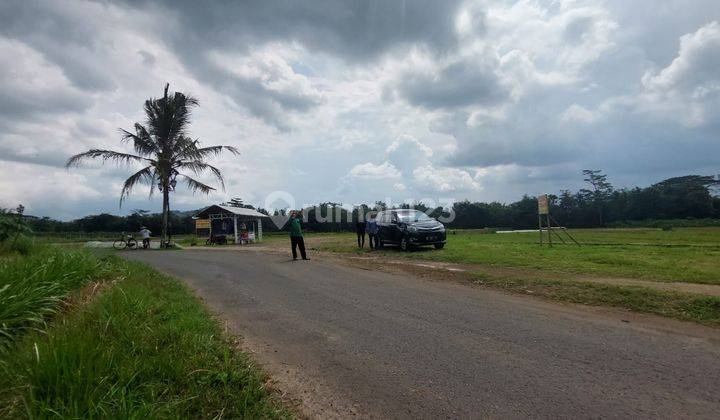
x,y
221,223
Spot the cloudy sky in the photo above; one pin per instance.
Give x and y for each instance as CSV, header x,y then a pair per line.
x,y
357,101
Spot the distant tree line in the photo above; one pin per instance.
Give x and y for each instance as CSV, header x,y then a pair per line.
x,y
180,223
686,197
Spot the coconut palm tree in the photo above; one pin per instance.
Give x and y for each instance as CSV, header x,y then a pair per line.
x,y
164,149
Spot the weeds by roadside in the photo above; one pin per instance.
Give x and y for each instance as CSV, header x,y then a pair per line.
x,y
32,286
143,348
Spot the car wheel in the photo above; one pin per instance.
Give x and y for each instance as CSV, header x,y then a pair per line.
x,y
404,245
439,246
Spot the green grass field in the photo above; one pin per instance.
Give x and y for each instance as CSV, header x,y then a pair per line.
x,y
88,337
680,255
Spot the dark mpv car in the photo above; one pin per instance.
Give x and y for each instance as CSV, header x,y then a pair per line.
x,y
409,228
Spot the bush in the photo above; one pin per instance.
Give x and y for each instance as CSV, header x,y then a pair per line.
x,y
12,226
22,245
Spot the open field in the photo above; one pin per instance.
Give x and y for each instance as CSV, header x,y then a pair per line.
x,y
89,337
680,255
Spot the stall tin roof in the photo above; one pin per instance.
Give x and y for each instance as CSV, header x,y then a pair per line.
x,y
240,211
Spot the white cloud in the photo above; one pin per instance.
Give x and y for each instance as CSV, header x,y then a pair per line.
x,y
563,36
28,82
577,113
50,191
695,67
407,152
371,171
444,180
689,87
264,81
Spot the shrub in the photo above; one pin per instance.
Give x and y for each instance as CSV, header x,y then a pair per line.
x,y
21,245
12,226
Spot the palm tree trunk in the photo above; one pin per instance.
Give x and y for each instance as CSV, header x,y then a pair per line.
x,y
165,216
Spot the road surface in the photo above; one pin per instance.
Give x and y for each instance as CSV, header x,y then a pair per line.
x,y
346,341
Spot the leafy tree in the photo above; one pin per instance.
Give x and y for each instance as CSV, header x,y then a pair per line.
x,y
600,190
164,148
685,196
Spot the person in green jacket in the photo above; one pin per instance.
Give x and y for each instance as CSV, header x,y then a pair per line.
x,y
296,237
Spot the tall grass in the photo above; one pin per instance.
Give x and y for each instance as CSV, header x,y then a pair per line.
x,y
144,348
32,286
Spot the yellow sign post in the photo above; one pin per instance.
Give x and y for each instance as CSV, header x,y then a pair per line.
x,y
543,207
202,223
544,210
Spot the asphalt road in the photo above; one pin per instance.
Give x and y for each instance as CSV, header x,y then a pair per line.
x,y
348,341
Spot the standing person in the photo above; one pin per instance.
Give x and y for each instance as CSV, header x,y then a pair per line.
x,y
145,234
296,237
372,230
360,230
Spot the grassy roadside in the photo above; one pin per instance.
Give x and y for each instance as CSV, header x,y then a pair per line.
x,y
684,306
681,255
144,347
34,285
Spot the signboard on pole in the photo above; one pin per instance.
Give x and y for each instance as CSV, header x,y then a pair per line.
x,y
202,223
543,207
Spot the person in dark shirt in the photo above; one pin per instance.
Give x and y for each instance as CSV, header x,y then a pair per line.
x,y
372,230
360,230
296,237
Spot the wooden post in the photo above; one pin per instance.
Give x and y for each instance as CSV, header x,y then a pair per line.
x,y
540,228
235,226
549,233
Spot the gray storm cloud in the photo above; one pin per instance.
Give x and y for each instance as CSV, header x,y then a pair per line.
x,y
355,100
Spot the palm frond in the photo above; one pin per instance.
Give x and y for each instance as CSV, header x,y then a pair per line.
x,y
118,157
195,185
142,141
216,150
195,153
185,149
168,117
198,167
144,176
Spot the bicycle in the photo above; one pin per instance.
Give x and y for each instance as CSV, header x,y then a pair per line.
x,y
126,241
